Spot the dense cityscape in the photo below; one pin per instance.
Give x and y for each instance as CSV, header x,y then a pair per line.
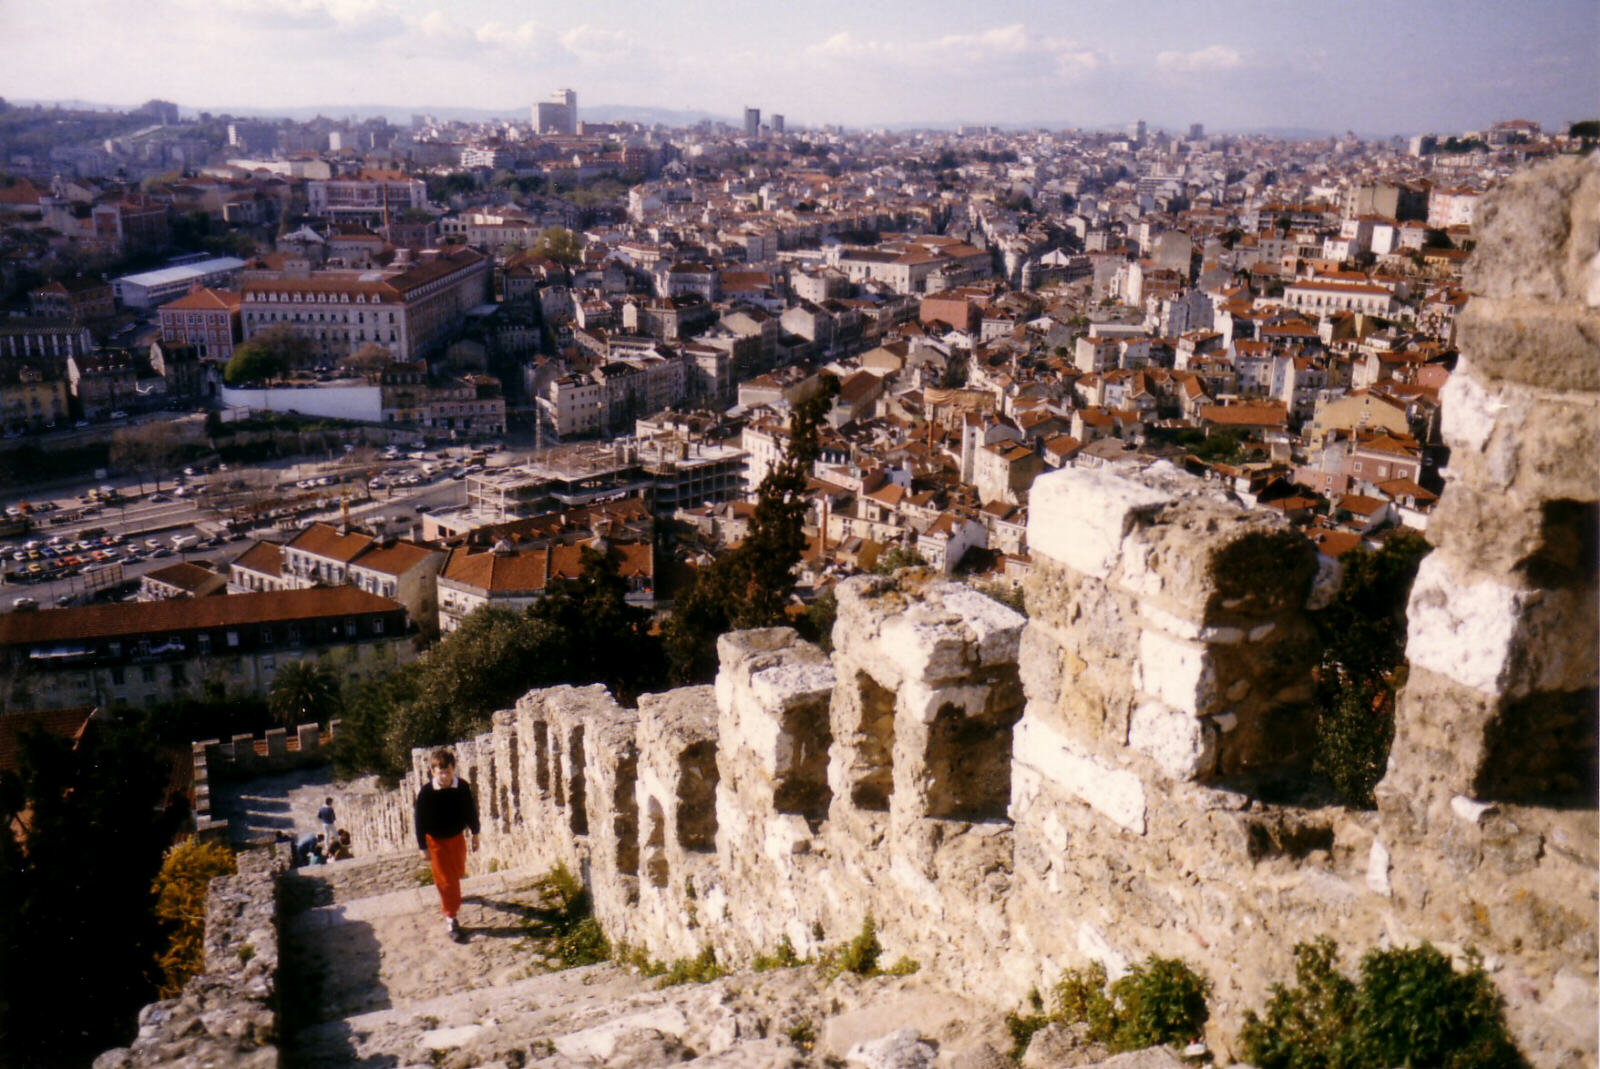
x,y
327,440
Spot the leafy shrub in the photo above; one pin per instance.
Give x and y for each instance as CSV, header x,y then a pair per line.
x,y
576,937
700,969
783,957
860,955
583,944
803,1036
180,890
1410,1008
1160,1000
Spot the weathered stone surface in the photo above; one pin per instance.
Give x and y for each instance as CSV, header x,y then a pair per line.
x,y
1079,516
1538,236
1123,814
1533,343
1513,438
902,1049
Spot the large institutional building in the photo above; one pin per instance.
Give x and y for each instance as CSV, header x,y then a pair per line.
x,y
407,311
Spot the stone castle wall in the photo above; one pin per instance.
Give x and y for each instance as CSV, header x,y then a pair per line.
x,y
1009,798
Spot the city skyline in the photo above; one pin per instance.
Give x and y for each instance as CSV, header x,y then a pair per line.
x,y
1234,65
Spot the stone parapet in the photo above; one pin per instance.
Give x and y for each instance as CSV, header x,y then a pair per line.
x,y
1104,780
228,1015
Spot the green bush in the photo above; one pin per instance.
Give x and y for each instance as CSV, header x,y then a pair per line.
x,y
860,955
180,891
582,944
700,969
1160,1000
1411,1008
783,957
575,937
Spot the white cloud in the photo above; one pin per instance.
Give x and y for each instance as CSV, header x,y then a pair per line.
x,y
437,24
518,38
1012,46
341,13
591,43
1210,58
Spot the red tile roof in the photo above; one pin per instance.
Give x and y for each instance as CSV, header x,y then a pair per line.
x,y
63,723
324,540
183,614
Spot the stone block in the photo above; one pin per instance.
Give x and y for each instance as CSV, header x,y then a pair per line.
x,y
1508,437
277,742
1499,637
1062,764
1182,744
1079,516
1548,346
1180,673
1538,235
996,629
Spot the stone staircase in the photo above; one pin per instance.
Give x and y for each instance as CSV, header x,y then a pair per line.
x,y
370,979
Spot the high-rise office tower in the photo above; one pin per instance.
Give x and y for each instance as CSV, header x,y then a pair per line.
x,y
1197,130
777,124
752,122
1136,131
558,115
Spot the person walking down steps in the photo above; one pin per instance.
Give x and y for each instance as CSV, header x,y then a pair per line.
x,y
445,812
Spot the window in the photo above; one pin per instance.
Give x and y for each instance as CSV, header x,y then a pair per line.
x,y
377,626
266,635
148,673
268,663
233,638
203,643
118,677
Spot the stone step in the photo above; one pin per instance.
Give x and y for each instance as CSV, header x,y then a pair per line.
x,y
391,949
412,900
522,1015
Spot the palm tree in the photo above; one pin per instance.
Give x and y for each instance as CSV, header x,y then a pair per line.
x,y
304,692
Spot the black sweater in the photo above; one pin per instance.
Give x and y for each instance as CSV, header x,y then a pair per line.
x,y
446,813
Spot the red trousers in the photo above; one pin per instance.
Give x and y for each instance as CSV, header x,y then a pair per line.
x,y
448,859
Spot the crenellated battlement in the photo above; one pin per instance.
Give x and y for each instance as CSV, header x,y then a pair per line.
x,y
1009,798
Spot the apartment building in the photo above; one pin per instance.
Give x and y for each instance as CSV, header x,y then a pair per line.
x,y
368,197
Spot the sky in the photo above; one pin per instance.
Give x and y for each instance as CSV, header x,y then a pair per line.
x,y
1373,66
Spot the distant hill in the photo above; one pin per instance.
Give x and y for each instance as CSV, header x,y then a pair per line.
x,y
401,116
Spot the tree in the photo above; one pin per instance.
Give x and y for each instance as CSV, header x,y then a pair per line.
x,y
559,244
582,631
85,826
368,360
180,892
250,365
284,346
751,586
1363,636
303,692
147,449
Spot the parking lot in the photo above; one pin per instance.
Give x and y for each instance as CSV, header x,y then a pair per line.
x,y
97,542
